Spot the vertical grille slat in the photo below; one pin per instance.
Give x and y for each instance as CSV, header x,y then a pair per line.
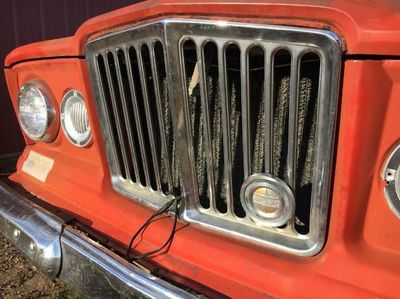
x,y
292,125
200,108
160,112
244,72
137,116
148,116
226,128
308,112
256,93
123,92
281,91
192,106
233,97
268,108
109,117
206,127
113,97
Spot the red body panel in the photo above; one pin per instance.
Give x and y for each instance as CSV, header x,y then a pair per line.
x,y
362,253
369,27
51,48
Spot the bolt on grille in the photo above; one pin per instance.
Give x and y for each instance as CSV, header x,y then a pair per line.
x,y
227,100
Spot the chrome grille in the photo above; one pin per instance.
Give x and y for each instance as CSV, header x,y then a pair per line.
x,y
238,100
133,89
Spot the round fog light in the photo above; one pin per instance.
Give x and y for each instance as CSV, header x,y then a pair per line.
x,y
35,113
74,119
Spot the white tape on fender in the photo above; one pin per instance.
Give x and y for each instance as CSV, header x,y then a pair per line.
x,y
38,166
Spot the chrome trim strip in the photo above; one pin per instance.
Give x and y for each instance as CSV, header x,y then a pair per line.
x,y
149,121
157,95
111,140
245,98
127,120
206,126
293,103
226,127
181,121
116,116
67,254
137,114
268,108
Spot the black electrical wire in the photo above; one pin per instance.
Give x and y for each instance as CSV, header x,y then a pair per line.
x,y
145,225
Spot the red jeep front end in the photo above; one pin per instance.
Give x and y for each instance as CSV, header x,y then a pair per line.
x,y
225,148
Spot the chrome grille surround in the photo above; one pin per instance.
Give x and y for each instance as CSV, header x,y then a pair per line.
x,y
172,33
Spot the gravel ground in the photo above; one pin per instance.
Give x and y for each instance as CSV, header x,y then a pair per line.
x,y
20,279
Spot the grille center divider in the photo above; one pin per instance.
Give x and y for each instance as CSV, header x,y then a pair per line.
x,y
195,107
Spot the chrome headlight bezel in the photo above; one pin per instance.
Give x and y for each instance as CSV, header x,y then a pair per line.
x,y
52,122
77,139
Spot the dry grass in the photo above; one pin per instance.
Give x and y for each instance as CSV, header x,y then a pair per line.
x,y
20,279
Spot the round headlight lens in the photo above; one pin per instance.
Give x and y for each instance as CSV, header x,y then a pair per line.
x,y
34,111
74,119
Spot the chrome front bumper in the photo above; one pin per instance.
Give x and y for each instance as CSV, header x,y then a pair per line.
x,y
61,252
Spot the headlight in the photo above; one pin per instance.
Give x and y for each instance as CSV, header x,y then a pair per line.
x,y
74,119
36,114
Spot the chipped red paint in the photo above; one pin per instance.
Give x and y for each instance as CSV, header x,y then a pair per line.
x,y
362,255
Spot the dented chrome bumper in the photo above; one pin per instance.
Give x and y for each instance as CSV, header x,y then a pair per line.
x,y
61,252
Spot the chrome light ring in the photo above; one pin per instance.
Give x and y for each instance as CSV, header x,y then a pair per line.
x,y
74,119
52,123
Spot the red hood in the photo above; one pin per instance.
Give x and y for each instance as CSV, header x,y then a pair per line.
x,y
367,26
